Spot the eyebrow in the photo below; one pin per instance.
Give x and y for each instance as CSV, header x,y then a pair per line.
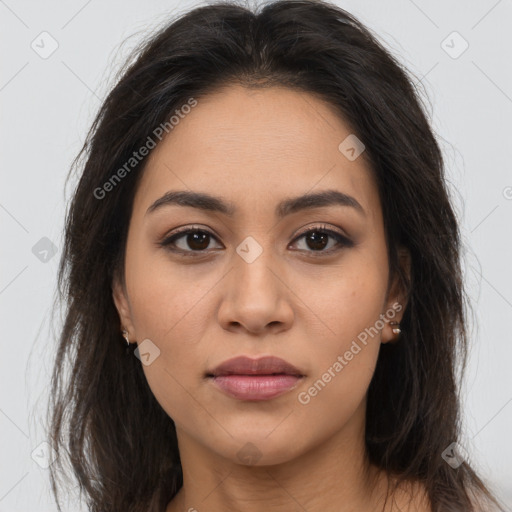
x,y
204,201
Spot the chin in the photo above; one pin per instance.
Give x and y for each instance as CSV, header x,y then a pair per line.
x,y
260,447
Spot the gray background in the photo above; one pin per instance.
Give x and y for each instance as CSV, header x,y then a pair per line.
x,y
47,105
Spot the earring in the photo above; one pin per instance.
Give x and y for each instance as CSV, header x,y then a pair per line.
x,y
396,330
125,336
128,348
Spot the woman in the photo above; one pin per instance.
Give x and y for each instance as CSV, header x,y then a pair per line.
x,y
262,278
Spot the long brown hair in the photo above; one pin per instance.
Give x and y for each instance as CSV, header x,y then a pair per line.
x,y
119,443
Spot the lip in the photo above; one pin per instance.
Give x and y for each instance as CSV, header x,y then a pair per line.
x,y
259,379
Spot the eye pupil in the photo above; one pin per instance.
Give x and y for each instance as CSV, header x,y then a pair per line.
x,y
198,240
194,242
319,240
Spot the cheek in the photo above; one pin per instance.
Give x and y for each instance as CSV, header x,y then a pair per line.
x,y
350,305
166,315
345,359
169,307
166,299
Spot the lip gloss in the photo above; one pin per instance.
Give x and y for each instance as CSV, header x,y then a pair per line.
x,y
255,387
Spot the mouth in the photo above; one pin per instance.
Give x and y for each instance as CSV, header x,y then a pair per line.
x,y
249,379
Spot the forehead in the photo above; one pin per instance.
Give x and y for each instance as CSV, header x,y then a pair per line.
x,y
256,147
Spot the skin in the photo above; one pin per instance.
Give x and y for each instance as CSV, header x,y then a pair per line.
x,y
255,148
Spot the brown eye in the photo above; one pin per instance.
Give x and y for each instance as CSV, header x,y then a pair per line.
x,y
188,241
198,241
195,241
319,238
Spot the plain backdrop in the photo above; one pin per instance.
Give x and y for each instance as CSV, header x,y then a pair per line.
x,y
48,102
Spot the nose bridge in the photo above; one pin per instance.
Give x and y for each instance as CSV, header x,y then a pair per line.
x,y
252,272
255,296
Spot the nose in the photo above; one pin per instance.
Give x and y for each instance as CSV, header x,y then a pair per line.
x,y
255,297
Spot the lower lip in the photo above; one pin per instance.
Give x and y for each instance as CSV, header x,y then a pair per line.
x,y
255,387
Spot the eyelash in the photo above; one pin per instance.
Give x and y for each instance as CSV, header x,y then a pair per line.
x,y
168,241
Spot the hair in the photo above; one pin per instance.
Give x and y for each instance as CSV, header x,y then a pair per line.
x,y
119,443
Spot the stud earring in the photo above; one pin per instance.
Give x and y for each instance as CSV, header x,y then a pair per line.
x,y
125,336
129,346
396,330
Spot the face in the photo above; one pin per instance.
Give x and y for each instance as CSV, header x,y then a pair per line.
x,y
263,274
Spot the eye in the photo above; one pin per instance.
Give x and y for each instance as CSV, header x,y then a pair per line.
x,y
316,239
188,241
192,241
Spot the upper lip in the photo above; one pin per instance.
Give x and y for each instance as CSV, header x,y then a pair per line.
x,y
243,365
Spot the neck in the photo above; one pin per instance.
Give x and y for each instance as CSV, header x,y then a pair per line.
x,y
332,476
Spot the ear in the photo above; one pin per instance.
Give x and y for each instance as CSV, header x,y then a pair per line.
x,y
122,304
397,299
